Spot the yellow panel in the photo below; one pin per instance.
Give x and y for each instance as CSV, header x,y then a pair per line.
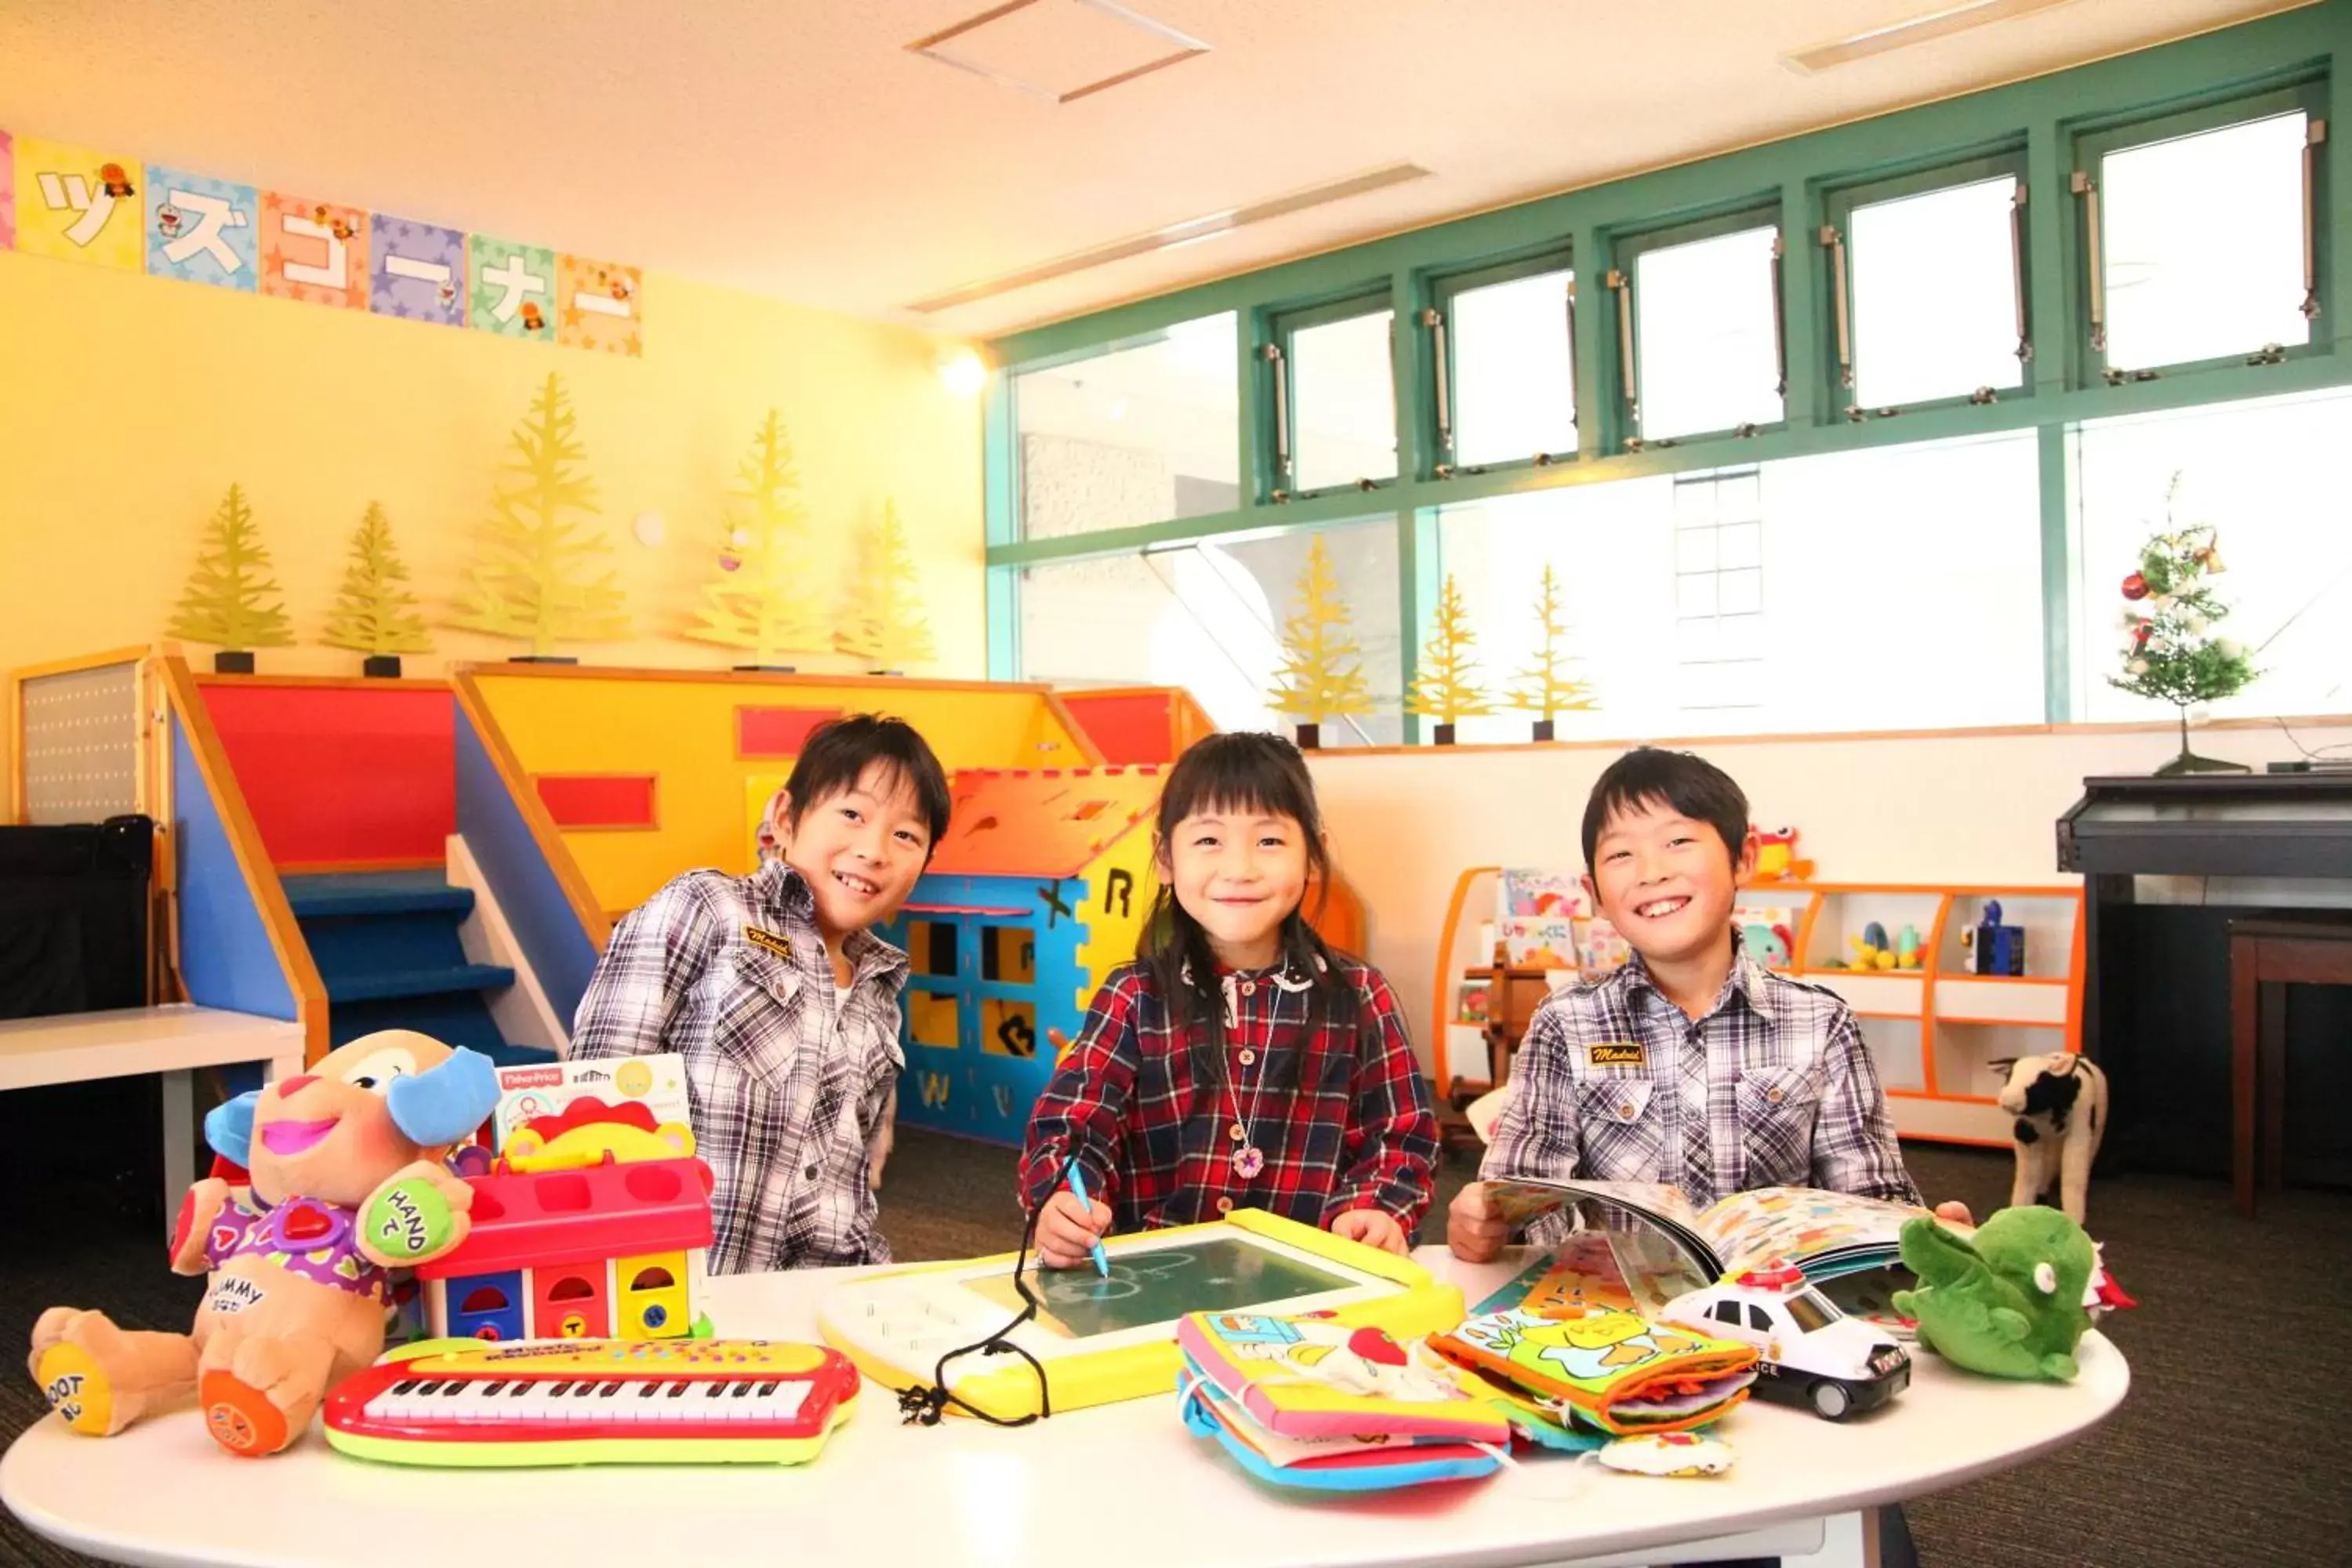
x,y
683,730
1120,886
1008,1029
1008,954
931,1018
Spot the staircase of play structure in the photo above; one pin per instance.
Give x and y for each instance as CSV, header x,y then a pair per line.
x,y
388,950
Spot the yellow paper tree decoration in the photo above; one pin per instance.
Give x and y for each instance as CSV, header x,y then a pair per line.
x,y
530,575
759,600
1447,688
883,612
223,602
375,614
1321,675
1544,688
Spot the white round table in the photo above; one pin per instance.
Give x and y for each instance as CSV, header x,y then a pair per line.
x,y
1122,1484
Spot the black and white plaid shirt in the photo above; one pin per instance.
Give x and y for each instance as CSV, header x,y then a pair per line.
x,y
788,1091
1772,1087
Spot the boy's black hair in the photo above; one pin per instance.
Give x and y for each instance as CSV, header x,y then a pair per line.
x,y
1242,772
837,753
1692,787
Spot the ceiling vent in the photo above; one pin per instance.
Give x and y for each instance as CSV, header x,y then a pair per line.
x,y
1940,24
1059,50
1192,231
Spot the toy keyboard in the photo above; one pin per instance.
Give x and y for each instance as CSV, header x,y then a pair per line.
x,y
588,1402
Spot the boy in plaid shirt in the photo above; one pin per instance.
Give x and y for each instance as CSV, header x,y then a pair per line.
x,y
782,1003
1692,1063
1238,1062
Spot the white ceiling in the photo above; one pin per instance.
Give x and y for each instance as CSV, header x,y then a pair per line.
x,y
797,149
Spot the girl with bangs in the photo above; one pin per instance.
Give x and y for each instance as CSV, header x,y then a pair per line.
x,y
1239,1062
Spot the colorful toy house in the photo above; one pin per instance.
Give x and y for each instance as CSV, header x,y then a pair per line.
x,y
612,1250
1035,894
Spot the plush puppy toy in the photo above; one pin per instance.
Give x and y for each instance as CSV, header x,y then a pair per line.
x,y
346,1182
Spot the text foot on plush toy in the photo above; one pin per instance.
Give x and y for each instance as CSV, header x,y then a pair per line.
x,y
346,1183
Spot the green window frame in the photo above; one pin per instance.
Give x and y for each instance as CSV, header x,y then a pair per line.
x,y
2091,146
1625,252
1441,423
1839,350
1279,391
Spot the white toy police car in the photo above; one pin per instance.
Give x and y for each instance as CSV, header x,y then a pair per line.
x,y
1809,1353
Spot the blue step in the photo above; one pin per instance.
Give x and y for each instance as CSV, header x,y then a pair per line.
x,y
392,985
376,893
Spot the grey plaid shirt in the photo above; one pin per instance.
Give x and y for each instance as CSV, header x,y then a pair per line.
x,y
1772,1087
788,1092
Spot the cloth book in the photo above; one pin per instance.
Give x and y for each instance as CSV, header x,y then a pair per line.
x,y
1611,1371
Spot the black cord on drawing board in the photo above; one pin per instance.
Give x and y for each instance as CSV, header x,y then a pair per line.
x,y
923,1407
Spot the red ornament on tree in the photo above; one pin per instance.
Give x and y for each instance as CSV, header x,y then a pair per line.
x,y
2141,632
2135,586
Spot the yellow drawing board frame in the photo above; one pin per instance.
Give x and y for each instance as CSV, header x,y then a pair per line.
x,y
895,1325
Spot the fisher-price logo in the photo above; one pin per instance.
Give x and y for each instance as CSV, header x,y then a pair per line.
x,y
531,1078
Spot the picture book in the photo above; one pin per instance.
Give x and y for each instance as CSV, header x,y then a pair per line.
x,y
1844,1243
1526,892
1616,1372
1601,946
1540,941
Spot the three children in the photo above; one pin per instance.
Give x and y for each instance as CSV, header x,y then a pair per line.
x,y
1238,1061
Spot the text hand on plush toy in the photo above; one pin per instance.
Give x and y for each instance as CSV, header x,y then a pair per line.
x,y
1372,1228
1474,1228
192,1231
419,1214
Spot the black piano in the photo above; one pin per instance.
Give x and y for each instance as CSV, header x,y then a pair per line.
x,y
2156,1004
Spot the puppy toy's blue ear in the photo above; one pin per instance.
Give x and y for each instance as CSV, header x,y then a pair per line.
x,y
228,1128
444,1104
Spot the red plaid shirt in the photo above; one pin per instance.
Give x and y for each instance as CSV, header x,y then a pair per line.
x,y
1158,1148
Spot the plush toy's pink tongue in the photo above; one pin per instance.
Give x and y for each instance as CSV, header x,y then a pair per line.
x,y
293,1137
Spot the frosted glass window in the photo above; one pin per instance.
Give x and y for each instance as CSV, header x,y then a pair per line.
x,y
1208,617
1934,295
2204,244
2268,476
1705,354
1514,384
1343,403
1139,435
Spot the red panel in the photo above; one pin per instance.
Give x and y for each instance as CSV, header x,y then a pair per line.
x,y
340,774
1127,729
777,731
598,799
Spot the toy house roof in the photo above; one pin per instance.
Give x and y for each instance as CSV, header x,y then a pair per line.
x,y
613,1210
1040,823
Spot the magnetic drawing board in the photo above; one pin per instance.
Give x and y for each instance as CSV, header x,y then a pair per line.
x,y
1100,1340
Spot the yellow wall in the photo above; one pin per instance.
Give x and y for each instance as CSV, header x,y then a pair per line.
x,y
128,403
684,730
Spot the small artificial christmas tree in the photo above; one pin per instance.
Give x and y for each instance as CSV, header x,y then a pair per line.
x,y
760,598
883,611
1447,688
2170,612
1544,688
221,603
1321,675
530,569
375,614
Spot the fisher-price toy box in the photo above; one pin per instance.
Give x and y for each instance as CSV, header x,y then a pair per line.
x,y
527,1093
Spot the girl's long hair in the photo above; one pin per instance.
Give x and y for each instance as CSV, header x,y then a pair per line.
x,y
1233,774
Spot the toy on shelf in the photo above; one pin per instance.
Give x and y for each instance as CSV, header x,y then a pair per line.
x,y
1908,953
1771,942
1776,857
2060,1100
1311,1403
606,1402
1992,948
2006,1302
1871,950
346,1182
1809,1353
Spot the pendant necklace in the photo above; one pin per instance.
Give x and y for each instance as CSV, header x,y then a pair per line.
x,y
1248,1158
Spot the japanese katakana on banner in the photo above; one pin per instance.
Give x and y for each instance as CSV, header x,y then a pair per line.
x,y
79,204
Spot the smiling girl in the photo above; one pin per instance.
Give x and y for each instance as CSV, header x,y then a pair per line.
x,y
1238,1062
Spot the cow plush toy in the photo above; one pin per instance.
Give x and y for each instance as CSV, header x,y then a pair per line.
x,y
2060,1100
348,1183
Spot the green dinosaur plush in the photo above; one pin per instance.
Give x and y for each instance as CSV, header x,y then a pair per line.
x,y
2008,1304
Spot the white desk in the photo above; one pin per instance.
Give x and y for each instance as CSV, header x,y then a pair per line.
x,y
175,1040
1122,1483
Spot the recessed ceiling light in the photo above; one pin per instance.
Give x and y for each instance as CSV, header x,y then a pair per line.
x,y
1901,35
1059,50
1191,231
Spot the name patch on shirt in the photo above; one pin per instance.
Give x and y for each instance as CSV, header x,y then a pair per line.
x,y
1617,1054
769,941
